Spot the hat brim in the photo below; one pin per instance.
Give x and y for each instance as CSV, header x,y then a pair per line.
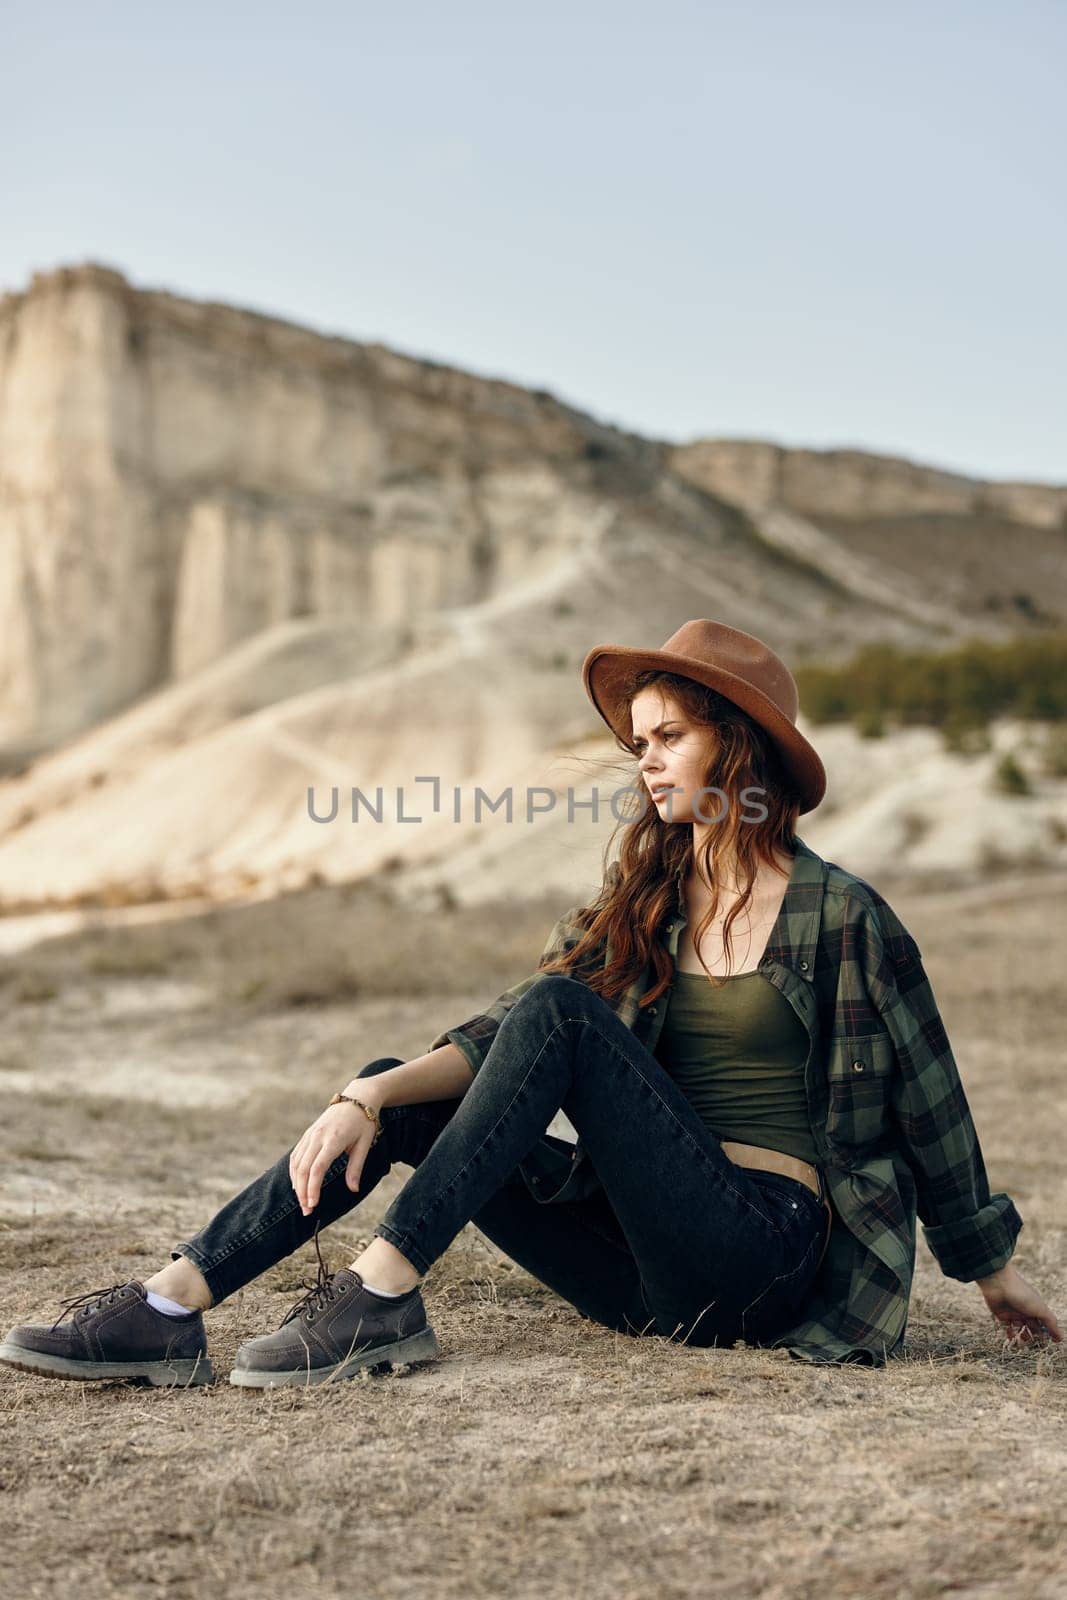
x,y
607,674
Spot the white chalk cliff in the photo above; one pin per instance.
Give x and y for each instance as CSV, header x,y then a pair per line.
x,y
239,558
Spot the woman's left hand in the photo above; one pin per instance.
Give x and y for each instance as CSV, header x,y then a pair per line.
x,y
1018,1307
340,1128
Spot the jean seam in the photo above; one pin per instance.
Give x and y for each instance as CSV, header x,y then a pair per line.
x,y
587,1022
782,1277
213,1262
440,1198
703,1154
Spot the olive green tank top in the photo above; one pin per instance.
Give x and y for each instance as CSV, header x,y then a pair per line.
x,y
738,1054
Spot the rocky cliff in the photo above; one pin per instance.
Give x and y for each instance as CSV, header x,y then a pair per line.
x,y
176,477
853,484
239,559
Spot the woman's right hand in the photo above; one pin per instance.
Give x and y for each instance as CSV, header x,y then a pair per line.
x,y
339,1128
1017,1306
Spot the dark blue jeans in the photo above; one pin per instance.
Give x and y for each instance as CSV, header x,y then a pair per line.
x,y
680,1241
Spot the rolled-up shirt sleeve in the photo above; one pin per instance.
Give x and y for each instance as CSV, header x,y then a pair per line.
x,y
474,1036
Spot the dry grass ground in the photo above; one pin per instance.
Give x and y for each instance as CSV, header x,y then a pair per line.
x,y
146,1076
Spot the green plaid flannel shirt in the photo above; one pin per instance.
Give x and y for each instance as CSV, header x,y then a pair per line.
x,y
890,1120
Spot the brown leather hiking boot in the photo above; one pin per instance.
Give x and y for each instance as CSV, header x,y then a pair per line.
x,y
338,1328
114,1333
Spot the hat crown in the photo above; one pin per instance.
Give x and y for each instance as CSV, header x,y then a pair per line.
x,y
737,665
715,644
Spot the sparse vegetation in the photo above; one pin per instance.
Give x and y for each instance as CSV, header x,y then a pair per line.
x,y
33,989
544,1454
140,957
870,724
309,948
963,736
914,826
956,690
1009,777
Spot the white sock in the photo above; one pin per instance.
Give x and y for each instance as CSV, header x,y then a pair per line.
x,y
386,1294
170,1308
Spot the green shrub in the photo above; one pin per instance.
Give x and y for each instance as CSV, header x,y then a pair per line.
x,y
870,724
964,737
1009,777
914,826
34,988
964,687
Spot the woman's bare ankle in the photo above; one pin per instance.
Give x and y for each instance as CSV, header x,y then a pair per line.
x,y
382,1266
182,1281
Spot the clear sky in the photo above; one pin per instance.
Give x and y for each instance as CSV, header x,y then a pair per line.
x,y
819,224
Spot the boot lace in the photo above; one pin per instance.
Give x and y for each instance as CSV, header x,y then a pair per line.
x,y
320,1293
89,1300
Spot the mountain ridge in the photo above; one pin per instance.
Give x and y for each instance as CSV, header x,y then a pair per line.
x,y
240,553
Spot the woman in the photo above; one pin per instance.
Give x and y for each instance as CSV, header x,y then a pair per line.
x,y
756,1128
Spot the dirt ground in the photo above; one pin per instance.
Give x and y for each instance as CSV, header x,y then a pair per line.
x,y
145,1077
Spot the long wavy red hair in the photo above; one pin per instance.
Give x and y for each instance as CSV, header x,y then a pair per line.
x,y
631,905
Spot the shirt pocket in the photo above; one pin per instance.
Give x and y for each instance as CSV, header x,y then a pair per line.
x,y
860,1084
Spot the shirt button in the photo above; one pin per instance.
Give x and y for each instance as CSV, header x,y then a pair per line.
x,y
858,1066
803,966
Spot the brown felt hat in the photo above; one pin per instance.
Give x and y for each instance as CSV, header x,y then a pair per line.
x,y
739,666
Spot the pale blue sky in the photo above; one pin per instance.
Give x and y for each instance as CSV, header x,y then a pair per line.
x,y
820,224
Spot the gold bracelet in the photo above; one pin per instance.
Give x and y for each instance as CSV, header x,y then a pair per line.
x,y
368,1110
